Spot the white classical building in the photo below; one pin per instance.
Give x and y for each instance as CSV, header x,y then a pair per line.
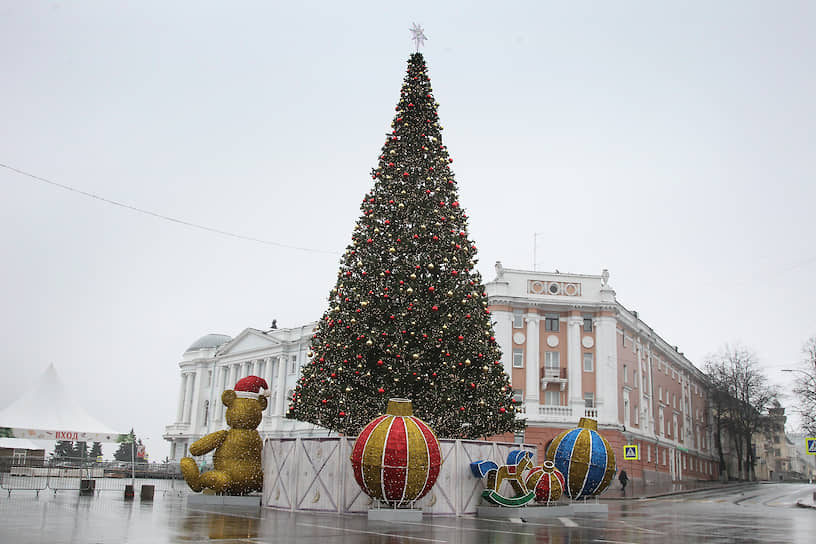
x,y
215,362
572,350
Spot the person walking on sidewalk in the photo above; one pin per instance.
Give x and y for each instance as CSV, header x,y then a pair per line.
x,y
624,479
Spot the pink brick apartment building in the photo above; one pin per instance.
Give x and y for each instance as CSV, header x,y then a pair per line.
x,y
572,350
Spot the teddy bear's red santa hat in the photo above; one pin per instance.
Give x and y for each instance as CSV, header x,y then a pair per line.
x,y
250,386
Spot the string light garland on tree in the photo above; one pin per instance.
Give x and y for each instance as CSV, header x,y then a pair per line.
x,y
408,315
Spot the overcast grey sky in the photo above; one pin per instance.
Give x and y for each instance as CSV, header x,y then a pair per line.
x,y
671,144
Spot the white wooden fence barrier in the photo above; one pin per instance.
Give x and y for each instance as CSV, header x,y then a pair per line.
x,y
315,474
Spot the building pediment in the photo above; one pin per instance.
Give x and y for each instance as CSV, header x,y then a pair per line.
x,y
250,340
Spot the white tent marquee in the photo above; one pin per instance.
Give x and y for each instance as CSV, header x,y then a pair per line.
x,y
47,412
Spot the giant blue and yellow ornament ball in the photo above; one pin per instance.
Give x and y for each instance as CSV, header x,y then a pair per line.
x,y
585,458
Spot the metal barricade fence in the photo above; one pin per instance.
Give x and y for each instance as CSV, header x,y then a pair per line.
x,y
64,473
29,474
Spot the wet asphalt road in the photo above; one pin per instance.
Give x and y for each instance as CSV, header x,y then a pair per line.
x,y
760,513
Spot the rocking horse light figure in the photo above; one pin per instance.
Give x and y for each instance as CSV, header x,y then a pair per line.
x,y
514,473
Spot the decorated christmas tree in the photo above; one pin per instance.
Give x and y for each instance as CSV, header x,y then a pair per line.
x,y
408,315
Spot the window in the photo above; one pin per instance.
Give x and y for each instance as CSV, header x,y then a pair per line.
x,y
18,458
660,392
662,421
518,319
634,378
293,364
587,323
674,401
552,364
518,396
588,362
626,410
623,339
589,400
552,398
518,358
625,375
206,411
637,415
551,322
649,453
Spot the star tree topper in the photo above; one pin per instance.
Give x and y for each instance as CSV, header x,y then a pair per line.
x,y
419,36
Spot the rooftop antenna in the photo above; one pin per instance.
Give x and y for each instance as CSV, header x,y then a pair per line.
x,y
535,247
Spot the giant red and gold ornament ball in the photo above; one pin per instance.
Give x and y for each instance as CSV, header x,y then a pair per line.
x,y
396,458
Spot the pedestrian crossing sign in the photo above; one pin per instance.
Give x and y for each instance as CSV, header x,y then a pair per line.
x,y
630,452
811,445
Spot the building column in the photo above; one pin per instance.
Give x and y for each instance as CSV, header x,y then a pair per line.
x,y
532,384
181,395
272,401
281,385
234,372
606,369
575,369
504,337
188,397
650,377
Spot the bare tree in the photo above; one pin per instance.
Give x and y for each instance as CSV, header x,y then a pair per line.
x,y
805,388
741,396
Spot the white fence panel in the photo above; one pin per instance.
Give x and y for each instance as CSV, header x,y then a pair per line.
x,y
318,473
280,472
315,474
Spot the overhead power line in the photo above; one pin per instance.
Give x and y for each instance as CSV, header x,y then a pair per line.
x,y
166,217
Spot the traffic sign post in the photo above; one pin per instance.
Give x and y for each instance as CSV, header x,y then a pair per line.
x,y
630,452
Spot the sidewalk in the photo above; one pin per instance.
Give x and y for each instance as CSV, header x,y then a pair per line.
x,y
662,489
809,502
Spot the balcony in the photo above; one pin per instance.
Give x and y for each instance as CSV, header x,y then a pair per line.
x,y
564,413
553,375
555,412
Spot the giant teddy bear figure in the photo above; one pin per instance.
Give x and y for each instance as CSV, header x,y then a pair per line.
x,y
237,459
